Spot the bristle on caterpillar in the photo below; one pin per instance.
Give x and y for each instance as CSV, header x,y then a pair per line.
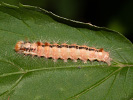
x,y
63,51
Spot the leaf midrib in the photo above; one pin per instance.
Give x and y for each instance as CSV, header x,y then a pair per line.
x,y
50,68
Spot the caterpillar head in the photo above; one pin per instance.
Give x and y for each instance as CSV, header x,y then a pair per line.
x,y
18,46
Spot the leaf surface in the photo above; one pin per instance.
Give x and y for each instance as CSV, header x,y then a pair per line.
x,y
26,78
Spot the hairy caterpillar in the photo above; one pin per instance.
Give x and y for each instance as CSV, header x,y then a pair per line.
x,y
63,51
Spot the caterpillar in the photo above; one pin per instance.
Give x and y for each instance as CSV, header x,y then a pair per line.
x,y
63,51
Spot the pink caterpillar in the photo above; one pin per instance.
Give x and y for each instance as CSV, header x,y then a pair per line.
x,y
63,51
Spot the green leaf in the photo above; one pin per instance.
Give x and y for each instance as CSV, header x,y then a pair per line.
x,y
27,78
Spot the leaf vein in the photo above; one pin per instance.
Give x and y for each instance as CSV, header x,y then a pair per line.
x,y
12,32
95,85
12,63
22,22
13,86
110,87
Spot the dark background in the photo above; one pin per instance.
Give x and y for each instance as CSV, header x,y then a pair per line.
x,y
113,14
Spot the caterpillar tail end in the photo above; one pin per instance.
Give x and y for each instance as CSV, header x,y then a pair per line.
x,y
108,61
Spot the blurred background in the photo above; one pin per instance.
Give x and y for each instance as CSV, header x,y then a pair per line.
x,y
114,14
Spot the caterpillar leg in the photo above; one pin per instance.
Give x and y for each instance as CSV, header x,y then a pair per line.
x,y
55,60
85,61
74,60
65,60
